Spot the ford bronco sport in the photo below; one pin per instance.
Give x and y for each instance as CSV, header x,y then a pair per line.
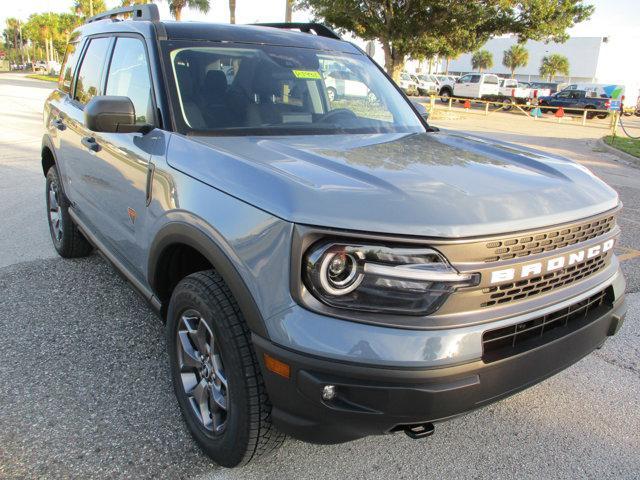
x,y
327,269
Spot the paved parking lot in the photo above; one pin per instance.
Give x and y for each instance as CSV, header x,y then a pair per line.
x,y
84,387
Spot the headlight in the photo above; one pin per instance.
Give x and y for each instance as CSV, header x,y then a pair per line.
x,y
379,278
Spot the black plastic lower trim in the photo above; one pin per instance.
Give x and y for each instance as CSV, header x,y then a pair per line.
x,y
372,400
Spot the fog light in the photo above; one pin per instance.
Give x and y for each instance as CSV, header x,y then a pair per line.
x,y
329,392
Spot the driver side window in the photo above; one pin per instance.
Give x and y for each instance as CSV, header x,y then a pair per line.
x,y
129,77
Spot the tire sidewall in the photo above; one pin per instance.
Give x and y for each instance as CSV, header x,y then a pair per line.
x,y
228,448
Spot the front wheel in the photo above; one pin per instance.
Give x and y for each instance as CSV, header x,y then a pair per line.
x,y
216,376
445,95
65,235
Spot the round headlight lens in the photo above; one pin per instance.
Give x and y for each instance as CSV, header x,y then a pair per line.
x,y
339,273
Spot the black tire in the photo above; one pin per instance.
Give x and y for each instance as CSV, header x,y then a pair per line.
x,y
508,104
248,432
602,116
590,115
65,235
445,94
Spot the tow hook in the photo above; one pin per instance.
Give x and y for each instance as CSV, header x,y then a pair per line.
x,y
421,430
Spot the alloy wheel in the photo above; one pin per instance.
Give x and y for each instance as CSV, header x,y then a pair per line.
x,y
55,211
202,372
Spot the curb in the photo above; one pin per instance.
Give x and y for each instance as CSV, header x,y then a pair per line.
x,y
600,143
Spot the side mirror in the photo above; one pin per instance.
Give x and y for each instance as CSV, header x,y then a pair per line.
x,y
112,114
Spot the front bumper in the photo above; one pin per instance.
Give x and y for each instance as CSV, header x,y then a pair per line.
x,y
377,399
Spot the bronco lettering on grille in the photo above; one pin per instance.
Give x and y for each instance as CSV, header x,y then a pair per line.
x,y
550,265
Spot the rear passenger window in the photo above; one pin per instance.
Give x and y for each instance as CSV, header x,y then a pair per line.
x,y
69,66
129,77
90,73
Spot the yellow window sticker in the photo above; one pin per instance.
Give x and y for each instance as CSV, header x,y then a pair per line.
x,y
306,74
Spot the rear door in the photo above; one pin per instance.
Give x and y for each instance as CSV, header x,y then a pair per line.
x,y
489,85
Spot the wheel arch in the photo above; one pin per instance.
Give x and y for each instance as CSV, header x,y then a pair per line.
x,y
47,155
178,234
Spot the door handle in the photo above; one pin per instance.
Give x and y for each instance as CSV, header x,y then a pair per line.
x,y
90,143
59,124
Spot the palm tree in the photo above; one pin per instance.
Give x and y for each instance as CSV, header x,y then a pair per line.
x,y
176,6
128,3
553,64
288,11
232,11
482,60
88,8
517,56
13,25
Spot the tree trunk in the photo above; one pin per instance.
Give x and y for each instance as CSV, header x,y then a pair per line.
x,y
177,13
232,11
288,11
513,73
392,63
446,69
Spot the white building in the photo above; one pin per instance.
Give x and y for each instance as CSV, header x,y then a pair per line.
x,y
611,59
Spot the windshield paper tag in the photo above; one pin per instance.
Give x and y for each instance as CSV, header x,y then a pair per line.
x,y
306,74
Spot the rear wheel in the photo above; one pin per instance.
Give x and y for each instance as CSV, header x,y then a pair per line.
x,y
602,115
445,94
590,115
65,235
216,376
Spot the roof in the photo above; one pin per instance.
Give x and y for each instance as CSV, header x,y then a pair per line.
x,y
217,32
253,34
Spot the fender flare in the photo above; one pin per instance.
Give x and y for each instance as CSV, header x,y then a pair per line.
x,y
48,144
179,232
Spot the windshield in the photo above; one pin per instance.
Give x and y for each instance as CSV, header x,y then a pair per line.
x,y
239,89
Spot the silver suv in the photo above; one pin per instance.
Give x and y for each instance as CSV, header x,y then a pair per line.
x,y
327,268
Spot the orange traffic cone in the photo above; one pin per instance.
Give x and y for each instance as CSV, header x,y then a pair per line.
x,y
559,113
467,104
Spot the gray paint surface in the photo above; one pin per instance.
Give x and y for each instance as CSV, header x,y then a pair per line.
x,y
440,185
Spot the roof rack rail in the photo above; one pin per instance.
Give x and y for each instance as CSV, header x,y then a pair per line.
x,y
147,12
319,29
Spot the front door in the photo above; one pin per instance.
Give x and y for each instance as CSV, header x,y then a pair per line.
x,y
122,161
77,157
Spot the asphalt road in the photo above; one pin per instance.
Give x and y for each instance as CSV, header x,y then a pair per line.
x,y
84,384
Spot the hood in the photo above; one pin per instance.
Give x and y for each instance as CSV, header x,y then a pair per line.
x,y
430,184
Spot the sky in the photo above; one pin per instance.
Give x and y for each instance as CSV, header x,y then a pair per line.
x,y
610,18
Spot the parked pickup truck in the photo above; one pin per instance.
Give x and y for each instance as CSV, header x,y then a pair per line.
x,y
472,85
512,92
576,101
323,271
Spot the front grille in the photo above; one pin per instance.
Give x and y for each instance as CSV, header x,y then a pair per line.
x,y
548,241
520,337
541,284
